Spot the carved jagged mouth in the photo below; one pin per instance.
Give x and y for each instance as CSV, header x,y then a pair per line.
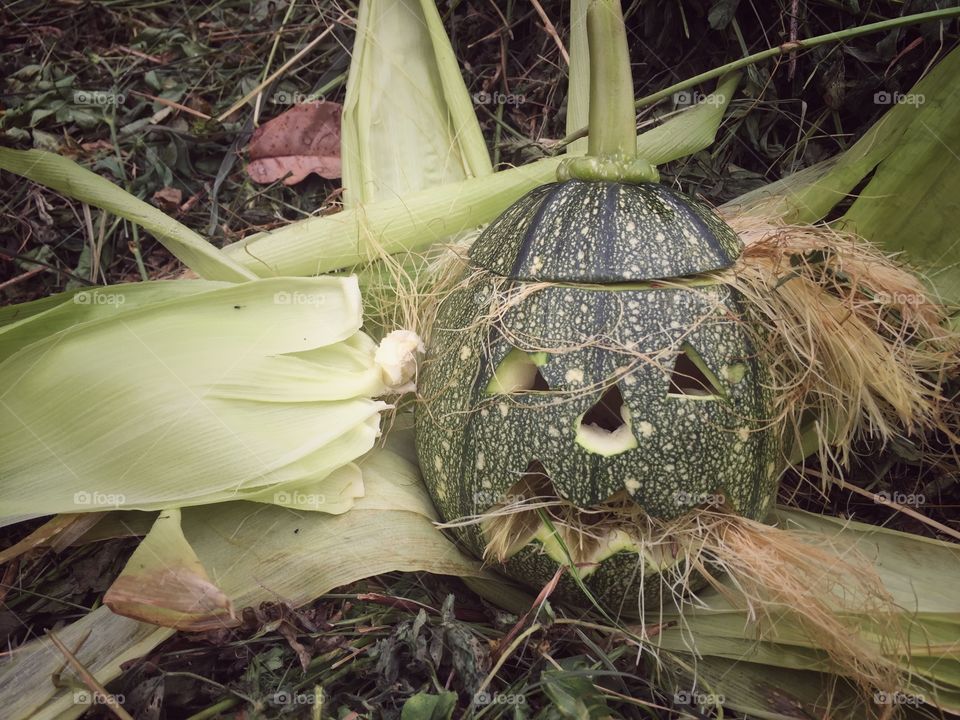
x,y
534,512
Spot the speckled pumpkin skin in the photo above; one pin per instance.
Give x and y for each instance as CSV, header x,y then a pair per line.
x,y
577,246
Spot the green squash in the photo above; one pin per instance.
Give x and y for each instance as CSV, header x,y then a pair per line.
x,y
588,346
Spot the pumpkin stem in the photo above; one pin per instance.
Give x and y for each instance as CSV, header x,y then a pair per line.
x,y
612,140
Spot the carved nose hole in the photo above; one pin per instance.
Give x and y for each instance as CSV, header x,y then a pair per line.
x,y
606,413
604,429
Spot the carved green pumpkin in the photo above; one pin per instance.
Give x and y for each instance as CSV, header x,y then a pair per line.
x,y
589,346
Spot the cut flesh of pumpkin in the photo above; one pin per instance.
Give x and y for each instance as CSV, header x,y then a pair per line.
x,y
605,428
692,378
586,549
519,371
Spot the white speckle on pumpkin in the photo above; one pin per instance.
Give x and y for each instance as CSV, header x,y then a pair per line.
x,y
553,432
632,485
646,428
733,373
574,375
481,461
743,433
465,352
503,408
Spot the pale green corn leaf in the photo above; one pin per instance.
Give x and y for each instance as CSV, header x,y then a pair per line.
x,y
253,554
759,690
101,640
222,394
293,555
74,181
910,201
415,221
29,322
922,576
408,121
578,77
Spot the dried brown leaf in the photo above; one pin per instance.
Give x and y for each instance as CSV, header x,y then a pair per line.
x,y
303,140
168,198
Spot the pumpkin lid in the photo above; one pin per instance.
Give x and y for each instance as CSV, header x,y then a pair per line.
x,y
605,232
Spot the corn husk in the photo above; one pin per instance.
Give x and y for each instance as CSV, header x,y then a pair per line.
x,y
408,120
578,83
921,575
909,203
74,181
185,393
250,554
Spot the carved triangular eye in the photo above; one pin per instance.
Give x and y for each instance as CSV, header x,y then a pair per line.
x,y
692,378
519,372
